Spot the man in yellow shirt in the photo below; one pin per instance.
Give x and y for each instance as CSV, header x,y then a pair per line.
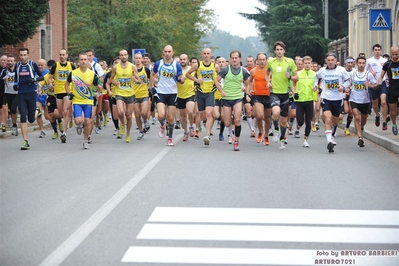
x,y
82,80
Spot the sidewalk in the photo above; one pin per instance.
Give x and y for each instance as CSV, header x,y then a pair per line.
x,y
375,134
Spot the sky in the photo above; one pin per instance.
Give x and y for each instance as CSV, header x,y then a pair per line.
x,y
229,20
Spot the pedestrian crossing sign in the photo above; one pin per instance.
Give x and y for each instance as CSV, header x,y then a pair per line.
x,y
380,19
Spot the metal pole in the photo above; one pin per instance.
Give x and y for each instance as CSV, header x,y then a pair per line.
x,y
390,34
326,19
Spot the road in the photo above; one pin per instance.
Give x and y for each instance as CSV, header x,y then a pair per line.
x,y
144,203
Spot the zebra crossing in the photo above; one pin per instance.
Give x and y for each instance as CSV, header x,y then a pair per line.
x,y
266,225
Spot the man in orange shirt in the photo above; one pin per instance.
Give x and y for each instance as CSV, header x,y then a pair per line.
x,y
260,98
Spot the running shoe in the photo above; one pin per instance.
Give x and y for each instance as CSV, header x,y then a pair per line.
x,y
140,136
231,139
60,127
360,142
119,136
114,132
285,140
55,135
97,130
200,128
297,135
259,138
177,125
63,138
71,123
89,139
306,144
185,137
282,145
9,122
191,129
42,134
236,147
270,132
196,134
153,121
347,132
252,134
169,142
333,141
377,121
161,131
25,145
289,131
221,137
275,136
395,129
3,128
384,126
85,145
266,141
122,130
314,127
106,120
147,127
79,129
207,140
330,147
340,121
388,118
317,126
14,131
127,139
218,125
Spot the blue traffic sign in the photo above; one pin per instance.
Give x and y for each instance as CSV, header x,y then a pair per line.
x,y
380,19
136,51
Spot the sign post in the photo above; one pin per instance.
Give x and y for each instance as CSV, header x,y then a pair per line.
x,y
136,51
380,19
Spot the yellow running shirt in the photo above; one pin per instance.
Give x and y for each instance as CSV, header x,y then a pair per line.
x,y
124,78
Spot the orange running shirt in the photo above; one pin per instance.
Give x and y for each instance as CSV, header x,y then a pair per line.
x,y
260,83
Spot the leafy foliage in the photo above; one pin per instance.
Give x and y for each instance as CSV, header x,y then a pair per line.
x,y
108,26
300,25
19,19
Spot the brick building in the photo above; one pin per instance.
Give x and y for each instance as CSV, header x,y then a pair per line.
x,y
51,35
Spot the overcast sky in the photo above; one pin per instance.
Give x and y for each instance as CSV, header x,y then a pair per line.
x,y
229,19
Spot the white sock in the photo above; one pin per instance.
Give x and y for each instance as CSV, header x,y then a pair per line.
x,y
250,123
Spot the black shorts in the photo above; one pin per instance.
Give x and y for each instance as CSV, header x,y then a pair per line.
x,y
281,100
264,100
230,103
362,107
393,96
218,102
167,99
60,96
333,106
181,103
51,103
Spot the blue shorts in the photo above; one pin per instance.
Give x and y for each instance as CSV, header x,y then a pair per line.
x,y
42,99
375,94
87,110
333,106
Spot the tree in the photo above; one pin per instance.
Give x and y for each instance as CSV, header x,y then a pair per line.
x,y
298,24
19,19
109,26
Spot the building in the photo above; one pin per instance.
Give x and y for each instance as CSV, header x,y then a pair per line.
x,y
361,38
51,35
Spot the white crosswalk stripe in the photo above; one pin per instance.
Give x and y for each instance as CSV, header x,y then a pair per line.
x,y
267,225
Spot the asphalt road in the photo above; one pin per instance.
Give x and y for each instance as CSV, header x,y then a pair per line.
x,y
143,203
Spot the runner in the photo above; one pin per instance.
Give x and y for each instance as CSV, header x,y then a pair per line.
x,y
123,74
374,65
27,73
280,69
303,96
167,71
260,95
359,96
57,79
185,100
82,80
141,103
334,79
391,68
206,72
233,76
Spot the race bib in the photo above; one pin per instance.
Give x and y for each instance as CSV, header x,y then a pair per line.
x,y
332,84
125,83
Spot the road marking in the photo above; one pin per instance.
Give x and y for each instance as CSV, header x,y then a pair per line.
x,y
325,234
274,216
248,256
70,244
